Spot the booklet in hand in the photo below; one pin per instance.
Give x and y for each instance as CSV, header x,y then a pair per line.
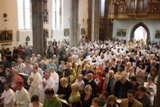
x,y
2,79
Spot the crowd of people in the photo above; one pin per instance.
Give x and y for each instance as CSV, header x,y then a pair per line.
x,y
111,73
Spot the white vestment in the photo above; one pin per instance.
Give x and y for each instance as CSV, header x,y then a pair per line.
x,y
49,84
34,85
8,98
55,77
22,98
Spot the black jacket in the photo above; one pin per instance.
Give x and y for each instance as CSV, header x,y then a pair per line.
x,y
117,88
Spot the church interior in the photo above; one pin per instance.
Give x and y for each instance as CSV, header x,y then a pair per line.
x,y
115,43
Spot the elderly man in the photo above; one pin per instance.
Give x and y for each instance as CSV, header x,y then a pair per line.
x,y
22,97
64,90
109,67
33,58
47,82
21,65
7,96
91,82
130,73
50,64
55,60
109,82
119,65
122,86
55,77
28,68
151,89
34,80
39,59
130,101
70,73
87,70
40,71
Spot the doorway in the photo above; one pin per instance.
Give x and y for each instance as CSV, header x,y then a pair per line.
x,y
140,31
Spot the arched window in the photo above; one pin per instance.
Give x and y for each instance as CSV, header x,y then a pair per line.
x,y
102,8
57,14
140,33
24,14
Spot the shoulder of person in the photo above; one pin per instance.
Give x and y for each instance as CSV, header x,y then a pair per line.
x,y
139,103
124,100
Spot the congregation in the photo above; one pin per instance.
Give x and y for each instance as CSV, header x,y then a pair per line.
x,y
110,73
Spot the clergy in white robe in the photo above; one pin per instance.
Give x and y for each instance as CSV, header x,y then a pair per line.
x,y
21,97
7,96
47,82
40,71
34,80
55,77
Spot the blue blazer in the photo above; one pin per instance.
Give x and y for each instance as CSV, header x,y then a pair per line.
x,y
54,65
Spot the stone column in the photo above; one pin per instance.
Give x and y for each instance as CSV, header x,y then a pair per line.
x,y
89,21
108,23
37,26
95,20
74,23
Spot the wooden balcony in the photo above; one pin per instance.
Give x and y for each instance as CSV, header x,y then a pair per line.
x,y
138,11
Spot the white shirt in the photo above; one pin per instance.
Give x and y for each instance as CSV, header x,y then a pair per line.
x,y
22,98
8,98
55,77
152,94
129,75
33,59
40,71
40,105
80,84
21,67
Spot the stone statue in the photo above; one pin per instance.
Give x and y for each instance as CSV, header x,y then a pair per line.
x,y
45,35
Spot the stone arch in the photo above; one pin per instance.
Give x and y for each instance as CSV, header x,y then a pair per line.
x,y
138,25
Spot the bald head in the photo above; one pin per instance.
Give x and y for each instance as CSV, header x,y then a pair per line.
x,y
89,76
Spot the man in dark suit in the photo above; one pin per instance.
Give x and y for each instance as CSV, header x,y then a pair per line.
x,y
137,61
64,90
143,97
54,44
109,67
91,82
122,86
119,65
86,71
5,63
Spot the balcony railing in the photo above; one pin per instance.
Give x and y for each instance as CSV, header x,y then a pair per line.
x,y
140,8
